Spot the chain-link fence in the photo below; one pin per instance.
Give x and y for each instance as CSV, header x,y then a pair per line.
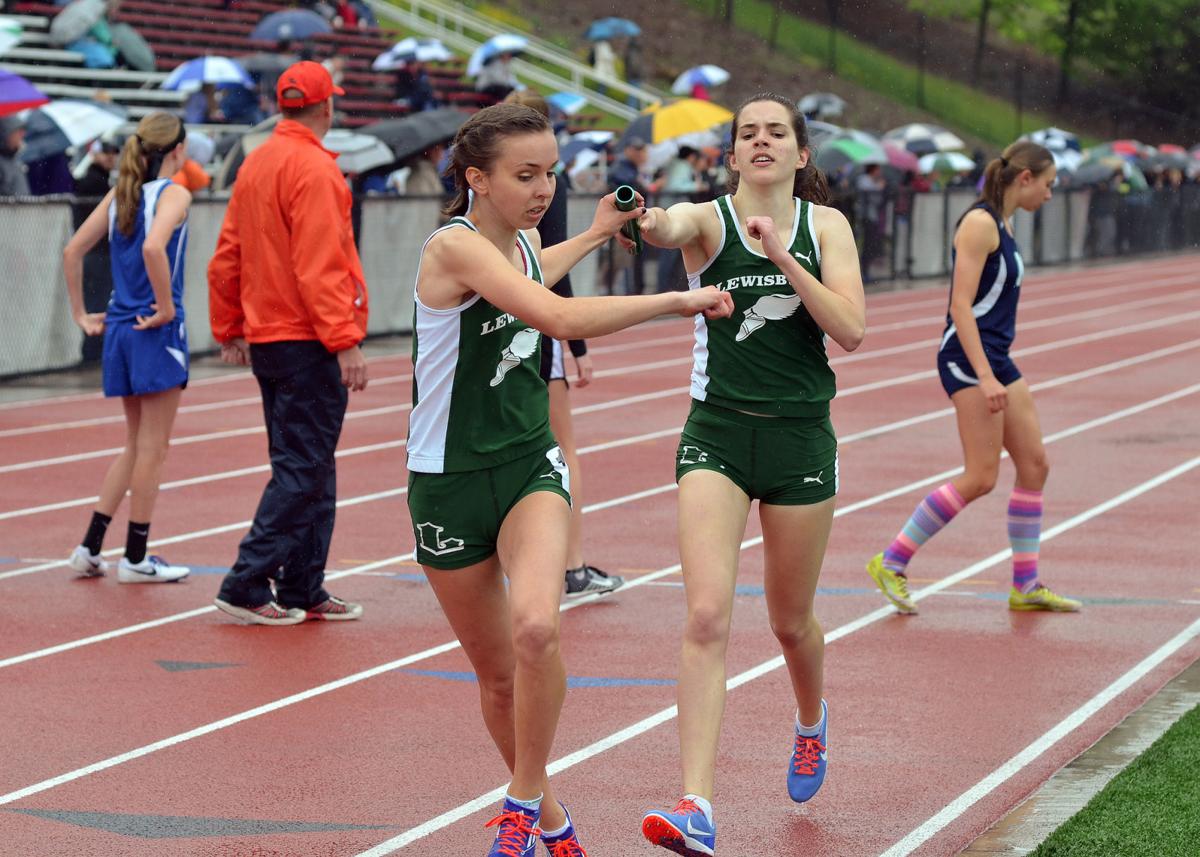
x,y
900,235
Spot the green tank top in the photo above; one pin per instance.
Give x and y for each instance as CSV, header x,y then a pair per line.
x,y
478,400
769,356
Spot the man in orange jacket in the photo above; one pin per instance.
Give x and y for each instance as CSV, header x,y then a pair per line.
x,y
287,297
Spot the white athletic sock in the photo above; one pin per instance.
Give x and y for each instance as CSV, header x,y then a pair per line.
x,y
535,803
810,731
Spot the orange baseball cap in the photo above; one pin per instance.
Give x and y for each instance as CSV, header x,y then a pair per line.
x,y
313,81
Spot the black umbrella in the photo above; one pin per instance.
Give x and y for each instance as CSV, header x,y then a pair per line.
x,y
413,134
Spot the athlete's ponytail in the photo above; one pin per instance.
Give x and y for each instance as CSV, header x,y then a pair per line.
x,y
156,136
810,183
1006,169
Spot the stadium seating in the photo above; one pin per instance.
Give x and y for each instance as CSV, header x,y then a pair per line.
x,y
185,29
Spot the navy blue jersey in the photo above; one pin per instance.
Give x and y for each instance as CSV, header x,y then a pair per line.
x,y
995,303
132,293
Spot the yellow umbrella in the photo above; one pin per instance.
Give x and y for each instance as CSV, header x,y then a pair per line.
x,y
661,122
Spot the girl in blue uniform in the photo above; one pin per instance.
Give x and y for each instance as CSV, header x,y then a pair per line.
x,y
992,401
145,345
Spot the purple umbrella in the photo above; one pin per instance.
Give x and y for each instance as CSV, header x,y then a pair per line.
x,y
17,94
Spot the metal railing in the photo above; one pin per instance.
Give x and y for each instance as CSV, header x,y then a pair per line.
x,y
546,64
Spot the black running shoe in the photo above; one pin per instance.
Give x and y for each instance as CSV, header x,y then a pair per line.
x,y
589,580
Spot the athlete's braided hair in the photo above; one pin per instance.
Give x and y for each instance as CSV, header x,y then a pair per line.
x,y
477,144
810,182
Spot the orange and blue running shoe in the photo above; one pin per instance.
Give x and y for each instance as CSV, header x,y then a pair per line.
x,y
807,770
685,830
518,832
565,844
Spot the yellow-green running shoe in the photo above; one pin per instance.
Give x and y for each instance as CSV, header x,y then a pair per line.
x,y
1041,598
894,586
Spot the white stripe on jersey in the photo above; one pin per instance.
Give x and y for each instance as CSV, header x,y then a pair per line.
x,y
960,374
982,308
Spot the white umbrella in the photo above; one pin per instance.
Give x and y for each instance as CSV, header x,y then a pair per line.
x,y
60,125
822,104
1054,139
75,20
708,75
504,43
10,33
217,70
950,162
358,153
409,50
922,139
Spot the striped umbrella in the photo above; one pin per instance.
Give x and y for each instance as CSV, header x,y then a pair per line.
x,y
221,71
17,94
922,139
705,75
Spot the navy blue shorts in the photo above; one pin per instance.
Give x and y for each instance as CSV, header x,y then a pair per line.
x,y
956,373
138,362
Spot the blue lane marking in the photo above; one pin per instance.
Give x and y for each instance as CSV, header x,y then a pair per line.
x,y
209,569
572,681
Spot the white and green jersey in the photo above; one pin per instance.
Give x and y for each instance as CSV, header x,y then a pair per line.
x,y
769,356
478,399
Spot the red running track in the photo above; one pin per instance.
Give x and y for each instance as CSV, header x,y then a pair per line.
x,y
137,720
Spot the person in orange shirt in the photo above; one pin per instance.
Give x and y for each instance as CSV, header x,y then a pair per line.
x,y
192,176
287,297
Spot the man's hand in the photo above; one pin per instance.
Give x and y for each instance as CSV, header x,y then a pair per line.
x,y
354,368
236,352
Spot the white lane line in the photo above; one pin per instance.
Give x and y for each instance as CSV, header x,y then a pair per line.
x,y
1035,750
575,758
1041,281
666,432
606,504
892,350
667,714
855,390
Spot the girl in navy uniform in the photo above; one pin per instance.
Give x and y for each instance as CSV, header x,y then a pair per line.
x,y
992,401
145,344
759,429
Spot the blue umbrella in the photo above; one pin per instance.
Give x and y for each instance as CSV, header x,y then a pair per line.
x,y
219,70
290,24
17,94
605,29
569,103
595,140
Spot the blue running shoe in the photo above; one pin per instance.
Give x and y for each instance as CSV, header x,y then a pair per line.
x,y
565,844
518,831
685,830
807,770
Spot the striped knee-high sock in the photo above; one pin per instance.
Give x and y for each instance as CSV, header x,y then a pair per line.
x,y
1025,536
933,513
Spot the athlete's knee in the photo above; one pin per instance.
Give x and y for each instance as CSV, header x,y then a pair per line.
x,y
976,484
535,637
496,685
707,625
1034,472
795,632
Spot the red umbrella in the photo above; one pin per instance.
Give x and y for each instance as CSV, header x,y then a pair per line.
x,y
1132,148
900,157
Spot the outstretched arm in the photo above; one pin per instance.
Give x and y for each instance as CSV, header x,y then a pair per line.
x,y
674,227
561,258
475,265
